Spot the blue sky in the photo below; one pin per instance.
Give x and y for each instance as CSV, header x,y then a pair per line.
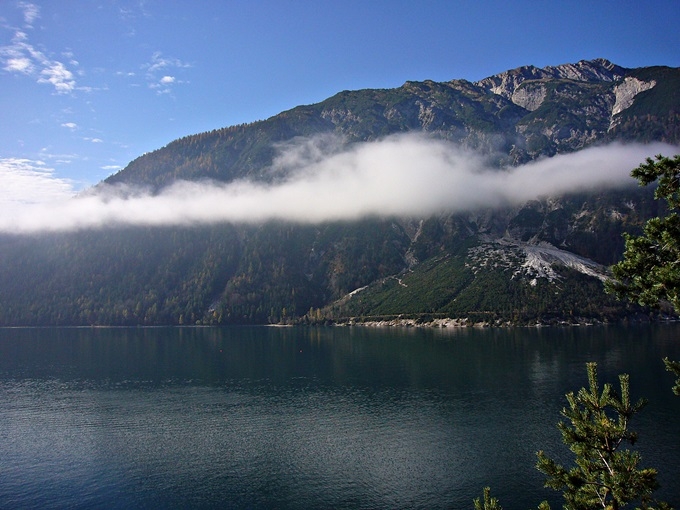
x,y
87,85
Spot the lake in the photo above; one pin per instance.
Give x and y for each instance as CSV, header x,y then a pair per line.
x,y
310,418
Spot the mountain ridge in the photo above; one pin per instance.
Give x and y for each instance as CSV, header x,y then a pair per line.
x,y
536,262
548,116
507,82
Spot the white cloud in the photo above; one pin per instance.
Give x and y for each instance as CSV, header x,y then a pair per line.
x,y
59,157
403,175
22,57
70,125
31,12
19,65
156,72
57,74
159,62
26,182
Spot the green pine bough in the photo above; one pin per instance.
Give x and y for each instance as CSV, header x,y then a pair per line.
x,y
649,273
674,366
605,474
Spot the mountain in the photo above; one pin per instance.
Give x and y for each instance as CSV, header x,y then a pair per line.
x,y
543,261
523,114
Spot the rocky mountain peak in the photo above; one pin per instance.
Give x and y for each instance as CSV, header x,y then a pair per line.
x,y
512,84
599,69
506,83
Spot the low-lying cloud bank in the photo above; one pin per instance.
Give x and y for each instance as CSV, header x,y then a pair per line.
x,y
404,175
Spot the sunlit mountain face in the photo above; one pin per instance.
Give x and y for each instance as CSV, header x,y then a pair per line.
x,y
500,201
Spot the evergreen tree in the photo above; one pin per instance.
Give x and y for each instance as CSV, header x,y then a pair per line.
x,y
605,474
674,366
650,270
489,502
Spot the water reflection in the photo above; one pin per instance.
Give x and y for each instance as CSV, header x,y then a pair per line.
x,y
306,417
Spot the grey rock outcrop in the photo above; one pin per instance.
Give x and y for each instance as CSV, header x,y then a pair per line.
x,y
625,93
521,87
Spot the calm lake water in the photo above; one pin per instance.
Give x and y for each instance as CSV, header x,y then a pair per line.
x,y
307,418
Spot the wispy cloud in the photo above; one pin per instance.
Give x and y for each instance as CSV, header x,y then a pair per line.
x,y
158,69
20,56
132,12
26,182
58,158
398,176
31,12
19,65
70,125
55,73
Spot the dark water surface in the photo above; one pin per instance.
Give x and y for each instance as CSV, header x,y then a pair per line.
x,y
328,418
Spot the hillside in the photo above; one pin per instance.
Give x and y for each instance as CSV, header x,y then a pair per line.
x,y
541,261
518,115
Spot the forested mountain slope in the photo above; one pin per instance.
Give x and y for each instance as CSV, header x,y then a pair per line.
x,y
541,261
519,115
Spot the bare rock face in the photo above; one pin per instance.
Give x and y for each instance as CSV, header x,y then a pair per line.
x,y
530,96
519,85
505,84
626,92
598,69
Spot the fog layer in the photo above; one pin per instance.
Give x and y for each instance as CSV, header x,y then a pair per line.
x,y
316,181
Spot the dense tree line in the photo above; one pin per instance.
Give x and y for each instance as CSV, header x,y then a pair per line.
x,y
278,272
221,274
